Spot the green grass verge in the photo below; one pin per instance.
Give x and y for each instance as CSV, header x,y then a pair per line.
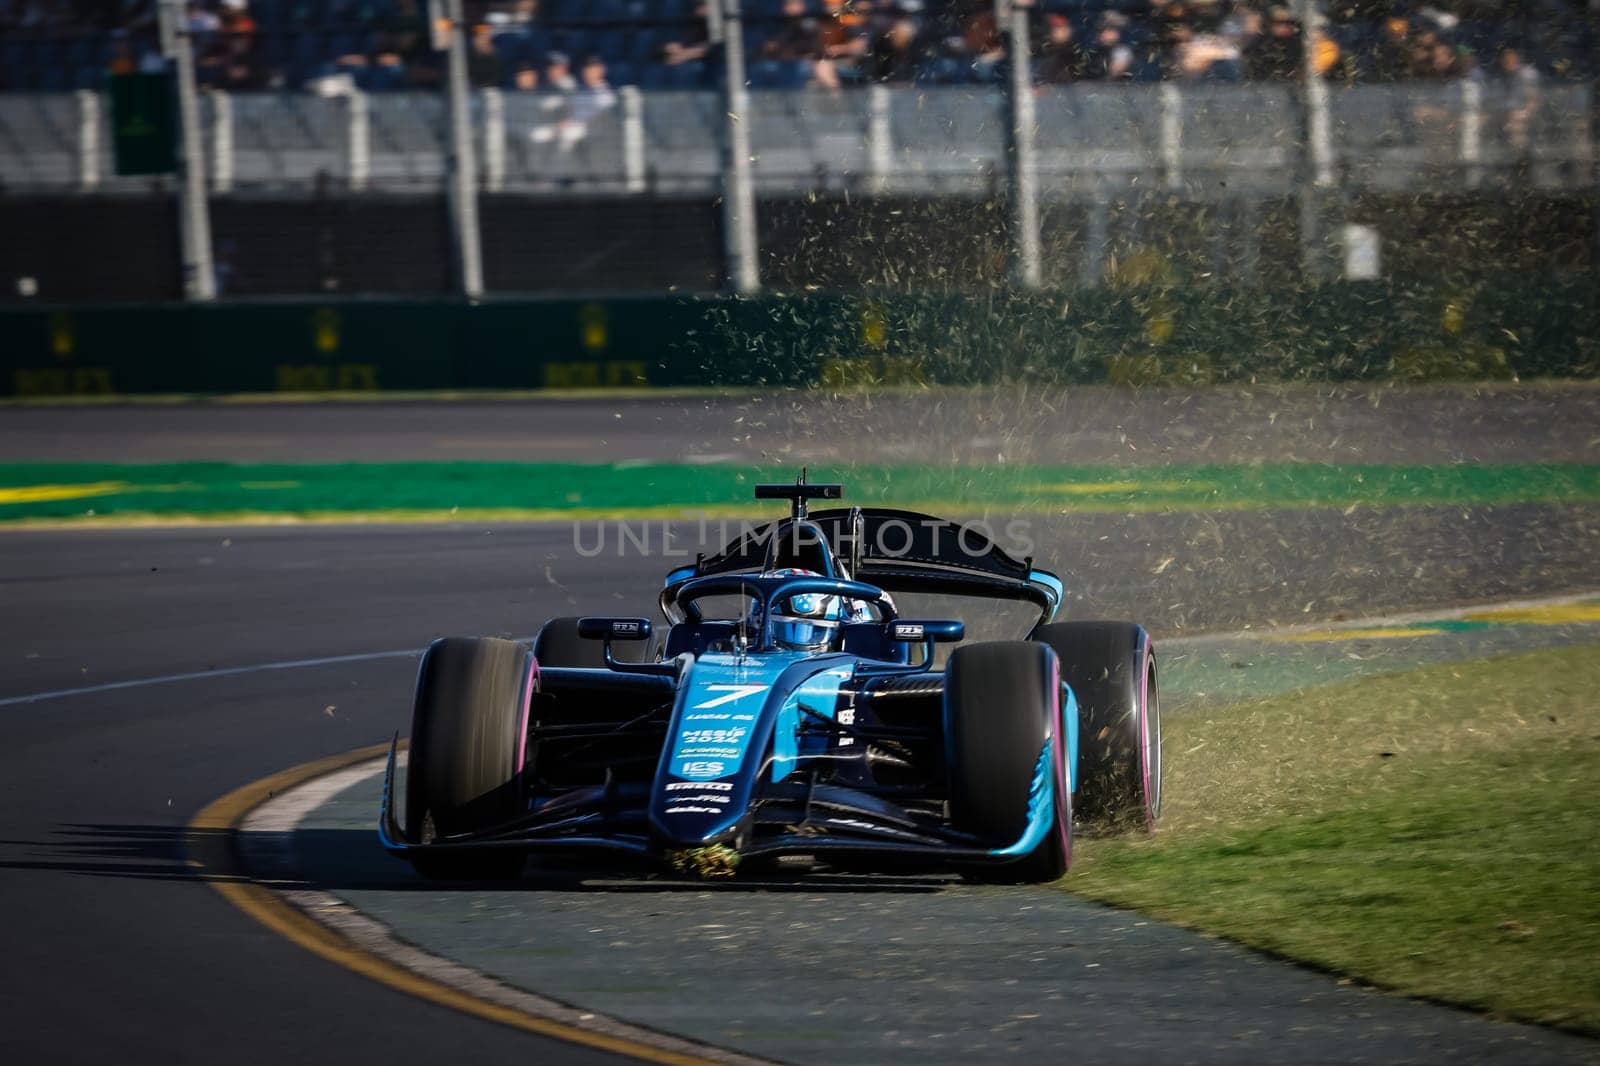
x,y
1436,833
70,491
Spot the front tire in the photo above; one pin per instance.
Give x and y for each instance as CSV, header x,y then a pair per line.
x,y
1111,668
464,762
1002,707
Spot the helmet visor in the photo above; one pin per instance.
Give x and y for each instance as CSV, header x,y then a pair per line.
x,y
808,634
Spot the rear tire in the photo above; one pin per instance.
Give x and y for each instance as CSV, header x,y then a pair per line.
x,y
462,771
1111,668
558,644
1002,705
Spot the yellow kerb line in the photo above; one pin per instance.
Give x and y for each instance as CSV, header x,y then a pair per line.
x,y
1381,633
210,848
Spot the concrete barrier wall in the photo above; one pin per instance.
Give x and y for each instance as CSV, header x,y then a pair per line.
x,y
1492,329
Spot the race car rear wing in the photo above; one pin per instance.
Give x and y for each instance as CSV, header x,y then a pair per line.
x,y
898,551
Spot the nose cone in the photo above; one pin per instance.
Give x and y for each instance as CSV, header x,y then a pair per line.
x,y
696,813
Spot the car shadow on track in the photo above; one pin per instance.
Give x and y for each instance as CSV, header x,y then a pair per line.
x,y
159,852
348,860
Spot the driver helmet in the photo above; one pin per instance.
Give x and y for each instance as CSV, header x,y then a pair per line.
x,y
807,621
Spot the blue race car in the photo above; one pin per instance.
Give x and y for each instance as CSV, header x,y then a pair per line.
x,y
789,710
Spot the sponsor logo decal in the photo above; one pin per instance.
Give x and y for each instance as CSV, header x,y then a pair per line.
x,y
703,786
703,768
853,823
730,693
846,716
908,631
712,736
693,810
702,797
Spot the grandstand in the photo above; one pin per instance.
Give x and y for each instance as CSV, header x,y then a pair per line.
x,y
1195,135
382,45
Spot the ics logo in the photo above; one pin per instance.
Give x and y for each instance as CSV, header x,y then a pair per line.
x,y
702,769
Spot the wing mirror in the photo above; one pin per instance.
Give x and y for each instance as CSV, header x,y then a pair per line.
x,y
930,631
614,628
610,629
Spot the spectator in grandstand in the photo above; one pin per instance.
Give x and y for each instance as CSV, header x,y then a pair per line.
x,y
693,45
1111,57
591,99
594,94
558,73
483,59
1519,85
1061,60
799,40
798,35
1440,63
1392,55
980,44
559,81
844,31
525,78
230,63
1198,43
129,57
516,13
1274,54
897,54
201,21
236,17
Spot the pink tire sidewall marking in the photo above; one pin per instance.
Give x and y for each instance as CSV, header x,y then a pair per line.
x,y
1063,784
530,685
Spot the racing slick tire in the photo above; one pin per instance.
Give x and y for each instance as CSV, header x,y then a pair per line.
x,y
558,644
1111,667
999,702
462,769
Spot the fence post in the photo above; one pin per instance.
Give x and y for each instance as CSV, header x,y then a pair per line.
x,y
462,170
1472,131
358,140
1316,170
88,139
221,140
194,215
738,191
633,164
494,139
1171,135
880,139
1020,129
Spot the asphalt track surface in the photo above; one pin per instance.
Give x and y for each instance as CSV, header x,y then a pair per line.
x,y
115,952
1336,424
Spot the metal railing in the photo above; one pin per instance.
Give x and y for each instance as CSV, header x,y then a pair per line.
x,y
1207,142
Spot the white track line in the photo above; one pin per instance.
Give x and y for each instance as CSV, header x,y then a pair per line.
x,y
266,845
228,671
